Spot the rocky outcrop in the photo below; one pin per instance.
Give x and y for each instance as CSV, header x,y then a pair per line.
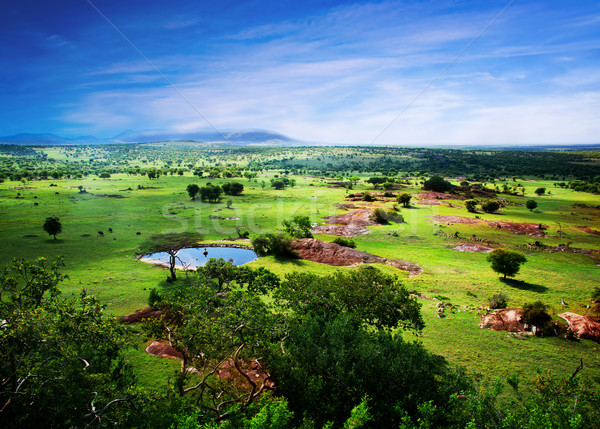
x,y
348,224
505,319
163,350
336,255
587,327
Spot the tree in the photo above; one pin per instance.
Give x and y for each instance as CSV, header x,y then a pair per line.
x,y
210,193
277,184
490,206
60,360
375,181
404,199
170,244
506,261
536,314
234,188
193,190
540,191
531,204
471,206
299,227
52,226
437,184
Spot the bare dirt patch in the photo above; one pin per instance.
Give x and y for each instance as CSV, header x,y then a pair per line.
x,y
473,247
348,224
438,196
532,229
146,313
587,327
455,219
341,256
163,350
506,319
587,229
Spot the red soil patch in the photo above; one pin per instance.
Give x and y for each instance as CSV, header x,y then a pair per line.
x,y
336,255
586,229
348,224
587,327
146,313
473,247
455,219
163,350
532,229
438,196
506,319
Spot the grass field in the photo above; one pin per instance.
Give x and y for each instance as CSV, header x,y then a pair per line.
x,y
106,265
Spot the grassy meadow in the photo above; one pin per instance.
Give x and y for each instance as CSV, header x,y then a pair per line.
x,y
136,207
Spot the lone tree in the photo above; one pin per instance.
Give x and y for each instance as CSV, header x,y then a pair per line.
x,y
437,184
53,226
490,206
171,244
193,190
540,191
404,199
471,206
506,262
531,204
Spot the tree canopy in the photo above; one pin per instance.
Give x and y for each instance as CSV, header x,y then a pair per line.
x,y
506,261
52,226
170,243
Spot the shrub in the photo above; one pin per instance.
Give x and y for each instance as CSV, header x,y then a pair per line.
x,y
531,204
437,184
394,216
379,216
388,194
277,244
154,297
490,206
536,314
367,197
498,301
346,242
471,206
540,191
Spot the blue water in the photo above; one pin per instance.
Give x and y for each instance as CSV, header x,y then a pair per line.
x,y
195,257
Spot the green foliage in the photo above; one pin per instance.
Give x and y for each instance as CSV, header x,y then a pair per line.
x,y
210,193
531,204
58,358
437,184
540,191
471,206
499,301
367,197
346,242
365,295
233,188
506,261
536,314
277,244
359,416
490,206
52,226
379,216
154,297
299,227
193,190
404,198
596,299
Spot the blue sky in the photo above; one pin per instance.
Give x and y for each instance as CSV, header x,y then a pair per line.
x,y
395,72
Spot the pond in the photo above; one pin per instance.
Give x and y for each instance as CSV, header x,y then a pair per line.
x,y
198,257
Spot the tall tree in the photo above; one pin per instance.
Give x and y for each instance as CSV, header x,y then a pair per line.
x,y
506,261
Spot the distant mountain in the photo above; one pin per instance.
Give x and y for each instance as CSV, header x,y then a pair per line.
x,y
238,137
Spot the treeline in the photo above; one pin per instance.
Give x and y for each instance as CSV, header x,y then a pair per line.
x,y
321,351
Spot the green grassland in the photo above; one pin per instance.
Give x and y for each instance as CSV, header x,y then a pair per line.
x,y
130,204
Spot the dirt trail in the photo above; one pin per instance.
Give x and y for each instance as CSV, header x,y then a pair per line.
x,y
336,255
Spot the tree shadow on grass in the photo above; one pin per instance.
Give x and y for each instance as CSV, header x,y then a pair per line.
x,y
523,285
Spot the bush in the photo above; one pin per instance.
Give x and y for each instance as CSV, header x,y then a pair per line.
x,y
233,188
277,244
531,204
367,197
379,216
490,206
394,216
154,297
346,242
471,206
437,184
498,301
536,314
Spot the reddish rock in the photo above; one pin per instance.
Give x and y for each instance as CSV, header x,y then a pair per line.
x,y
146,313
505,319
336,255
348,224
163,350
587,327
